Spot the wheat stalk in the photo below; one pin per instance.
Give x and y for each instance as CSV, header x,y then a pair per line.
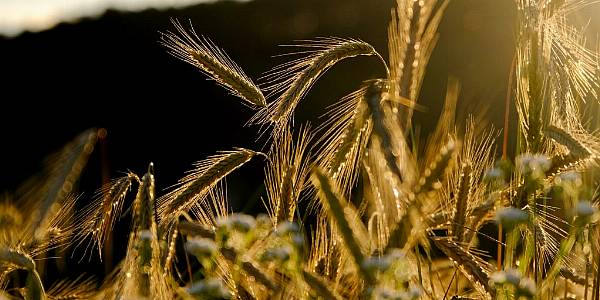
x,y
34,286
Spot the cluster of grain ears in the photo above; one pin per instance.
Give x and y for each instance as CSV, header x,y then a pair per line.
x,y
358,208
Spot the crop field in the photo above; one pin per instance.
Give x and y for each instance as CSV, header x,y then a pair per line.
x,y
361,206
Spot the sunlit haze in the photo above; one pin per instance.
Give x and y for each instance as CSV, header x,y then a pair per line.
x,y
17,16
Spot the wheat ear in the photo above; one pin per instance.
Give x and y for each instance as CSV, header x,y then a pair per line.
x,y
59,230
462,200
212,61
64,169
344,139
429,179
142,266
197,184
286,174
562,137
412,35
294,79
143,205
374,95
80,288
99,217
471,266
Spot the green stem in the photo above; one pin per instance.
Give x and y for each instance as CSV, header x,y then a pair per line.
x,y
512,238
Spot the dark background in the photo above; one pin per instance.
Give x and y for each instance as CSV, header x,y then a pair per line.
x,y
111,72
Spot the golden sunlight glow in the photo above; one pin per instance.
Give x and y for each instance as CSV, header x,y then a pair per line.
x,y
17,16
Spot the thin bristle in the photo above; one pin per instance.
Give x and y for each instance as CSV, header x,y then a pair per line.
x,y
80,288
212,61
412,35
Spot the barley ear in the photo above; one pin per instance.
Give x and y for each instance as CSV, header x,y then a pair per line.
x,y
196,186
562,137
99,217
462,200
212,61
293,80
80,288
435,171
61,174
334,204
471,266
